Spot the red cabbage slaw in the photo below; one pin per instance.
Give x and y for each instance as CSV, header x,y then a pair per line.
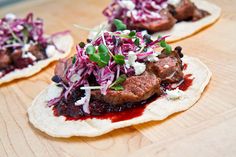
x,y
15,32
117,42
134,11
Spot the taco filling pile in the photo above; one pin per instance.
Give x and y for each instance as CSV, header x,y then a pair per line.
x,y
23,44
153,15
116,72
115,80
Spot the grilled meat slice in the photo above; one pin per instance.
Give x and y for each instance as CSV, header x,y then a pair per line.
x,y
166,22
38,51
183,10
61,68
186,10
15,55
199,14
5,59
136,89
168,69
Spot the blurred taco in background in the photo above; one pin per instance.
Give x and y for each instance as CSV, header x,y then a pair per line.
x,y
25,49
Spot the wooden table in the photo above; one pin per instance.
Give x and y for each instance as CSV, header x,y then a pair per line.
x,y
207,129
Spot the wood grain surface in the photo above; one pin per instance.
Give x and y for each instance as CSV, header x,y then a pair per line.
x,y
206,129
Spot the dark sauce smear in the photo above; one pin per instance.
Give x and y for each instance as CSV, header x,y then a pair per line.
x,y
102,110
186,83
185,66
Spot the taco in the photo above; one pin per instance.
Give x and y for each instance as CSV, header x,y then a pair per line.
x,y
119,79
178,18
25,49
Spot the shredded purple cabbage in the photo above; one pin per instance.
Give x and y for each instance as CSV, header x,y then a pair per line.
x,y
15,32
117,43
134,11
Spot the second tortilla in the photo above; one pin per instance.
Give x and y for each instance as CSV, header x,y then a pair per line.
x,y
185,29
182,29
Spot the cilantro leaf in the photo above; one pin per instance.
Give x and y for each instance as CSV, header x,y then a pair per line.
x,y
119,80
120,26
132,34
167,47
137,42
73,60
117,88
90,49
119,59
94,57
103,53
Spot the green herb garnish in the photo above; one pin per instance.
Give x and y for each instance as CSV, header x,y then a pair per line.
x,y
137,42
117,84
104,54
132,34
94,57
117,88
119,59
73,60
90,49
167,47
26,35
102,57
120,26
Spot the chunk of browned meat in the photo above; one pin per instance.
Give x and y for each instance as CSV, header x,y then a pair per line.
x,y
5,60
198,14
176,53
61,68
15,55
38,51
186,10
183,10
136,89
166,22
168,69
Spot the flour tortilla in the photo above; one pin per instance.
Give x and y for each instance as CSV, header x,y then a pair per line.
x,y
42,116
183,29
63,42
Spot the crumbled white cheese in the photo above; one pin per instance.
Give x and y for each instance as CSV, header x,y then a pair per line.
x,y
126,31
174,94
153,57
28,55
53,92
51,50
173,2
127,4
26,47
166,66
80,101
128,14
144,32
10,16
131,57
139,68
